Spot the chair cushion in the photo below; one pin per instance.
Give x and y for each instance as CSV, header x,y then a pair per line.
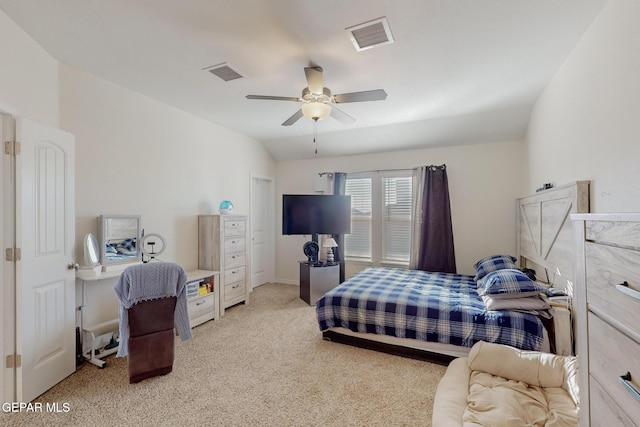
x,y
499,385
532,367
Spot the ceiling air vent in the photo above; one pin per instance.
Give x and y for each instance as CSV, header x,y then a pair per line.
x,y
224,71
370,34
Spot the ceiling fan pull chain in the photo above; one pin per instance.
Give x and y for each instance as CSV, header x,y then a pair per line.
x,y
315,134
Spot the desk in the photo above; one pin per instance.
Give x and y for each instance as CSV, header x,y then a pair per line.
x,y
98,329
201,308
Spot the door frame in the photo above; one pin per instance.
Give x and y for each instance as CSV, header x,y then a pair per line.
x,y
271,261
7,268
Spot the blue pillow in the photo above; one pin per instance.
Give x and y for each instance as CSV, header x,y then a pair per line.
x,y
508,281
129,244
493,263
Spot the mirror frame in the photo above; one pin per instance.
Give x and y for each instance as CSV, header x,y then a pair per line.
x,y
103,220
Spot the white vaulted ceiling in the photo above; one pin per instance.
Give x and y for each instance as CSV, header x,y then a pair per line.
x,y
458,72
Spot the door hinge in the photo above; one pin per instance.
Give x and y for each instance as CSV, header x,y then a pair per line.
x,y
13,254
14,361
12,148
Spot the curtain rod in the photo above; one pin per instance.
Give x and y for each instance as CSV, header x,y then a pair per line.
x,y
377,170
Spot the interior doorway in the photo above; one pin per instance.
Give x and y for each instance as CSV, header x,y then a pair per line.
x,y
262,231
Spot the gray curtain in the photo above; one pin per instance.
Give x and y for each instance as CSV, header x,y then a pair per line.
x,y
339,188
432,231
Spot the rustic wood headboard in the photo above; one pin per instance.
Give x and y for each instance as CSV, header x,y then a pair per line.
x,y
545,233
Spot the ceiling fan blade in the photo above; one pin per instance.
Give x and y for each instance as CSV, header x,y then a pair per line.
x,y
273,98
341,116
291,120
314,79
368,95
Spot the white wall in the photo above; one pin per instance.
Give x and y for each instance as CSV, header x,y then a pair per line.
x,y
28,76
484,182
586,124
138,156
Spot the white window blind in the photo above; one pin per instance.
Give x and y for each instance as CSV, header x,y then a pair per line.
x,y
381,208
358,243
396,219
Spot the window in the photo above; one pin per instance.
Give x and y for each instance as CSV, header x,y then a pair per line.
x,y
358,243
381,208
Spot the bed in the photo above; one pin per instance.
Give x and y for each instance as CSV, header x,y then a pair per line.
x,y
438,316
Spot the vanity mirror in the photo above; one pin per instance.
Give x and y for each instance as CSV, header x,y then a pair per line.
x,y
119,236
91,253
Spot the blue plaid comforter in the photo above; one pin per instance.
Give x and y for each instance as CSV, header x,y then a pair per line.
x,y
435,307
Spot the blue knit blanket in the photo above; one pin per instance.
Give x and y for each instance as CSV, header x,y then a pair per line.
x,y
143,282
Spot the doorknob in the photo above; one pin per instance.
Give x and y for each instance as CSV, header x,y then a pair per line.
x,y
73,266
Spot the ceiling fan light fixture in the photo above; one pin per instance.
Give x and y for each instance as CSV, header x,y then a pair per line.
x,y
316,110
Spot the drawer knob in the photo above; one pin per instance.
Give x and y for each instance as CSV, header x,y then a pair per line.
x,y
625,380
625,289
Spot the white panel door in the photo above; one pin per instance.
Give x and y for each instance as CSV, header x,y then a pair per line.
x,y
45,282
262,260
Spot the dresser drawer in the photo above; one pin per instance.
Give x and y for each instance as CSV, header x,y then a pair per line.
x,y
619,233
608,266
235,260
234,290
234,274
604,411
234,244
201,306
611,355
235,228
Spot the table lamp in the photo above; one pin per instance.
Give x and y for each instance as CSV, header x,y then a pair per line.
x,y
330,244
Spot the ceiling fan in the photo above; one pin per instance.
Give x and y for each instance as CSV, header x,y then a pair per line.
x,y
316,99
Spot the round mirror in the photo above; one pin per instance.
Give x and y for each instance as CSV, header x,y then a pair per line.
x,y
91,250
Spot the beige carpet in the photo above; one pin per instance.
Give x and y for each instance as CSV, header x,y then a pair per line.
x,y
263,364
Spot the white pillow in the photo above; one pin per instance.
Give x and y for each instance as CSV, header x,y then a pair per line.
x,y
535,302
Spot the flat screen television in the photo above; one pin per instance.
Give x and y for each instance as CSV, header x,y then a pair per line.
x,y
316,214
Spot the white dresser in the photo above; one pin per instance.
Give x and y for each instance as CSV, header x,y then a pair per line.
x,y
608,318
222,246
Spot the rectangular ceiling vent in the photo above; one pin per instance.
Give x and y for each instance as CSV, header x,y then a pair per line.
x,y
224,71
370,34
